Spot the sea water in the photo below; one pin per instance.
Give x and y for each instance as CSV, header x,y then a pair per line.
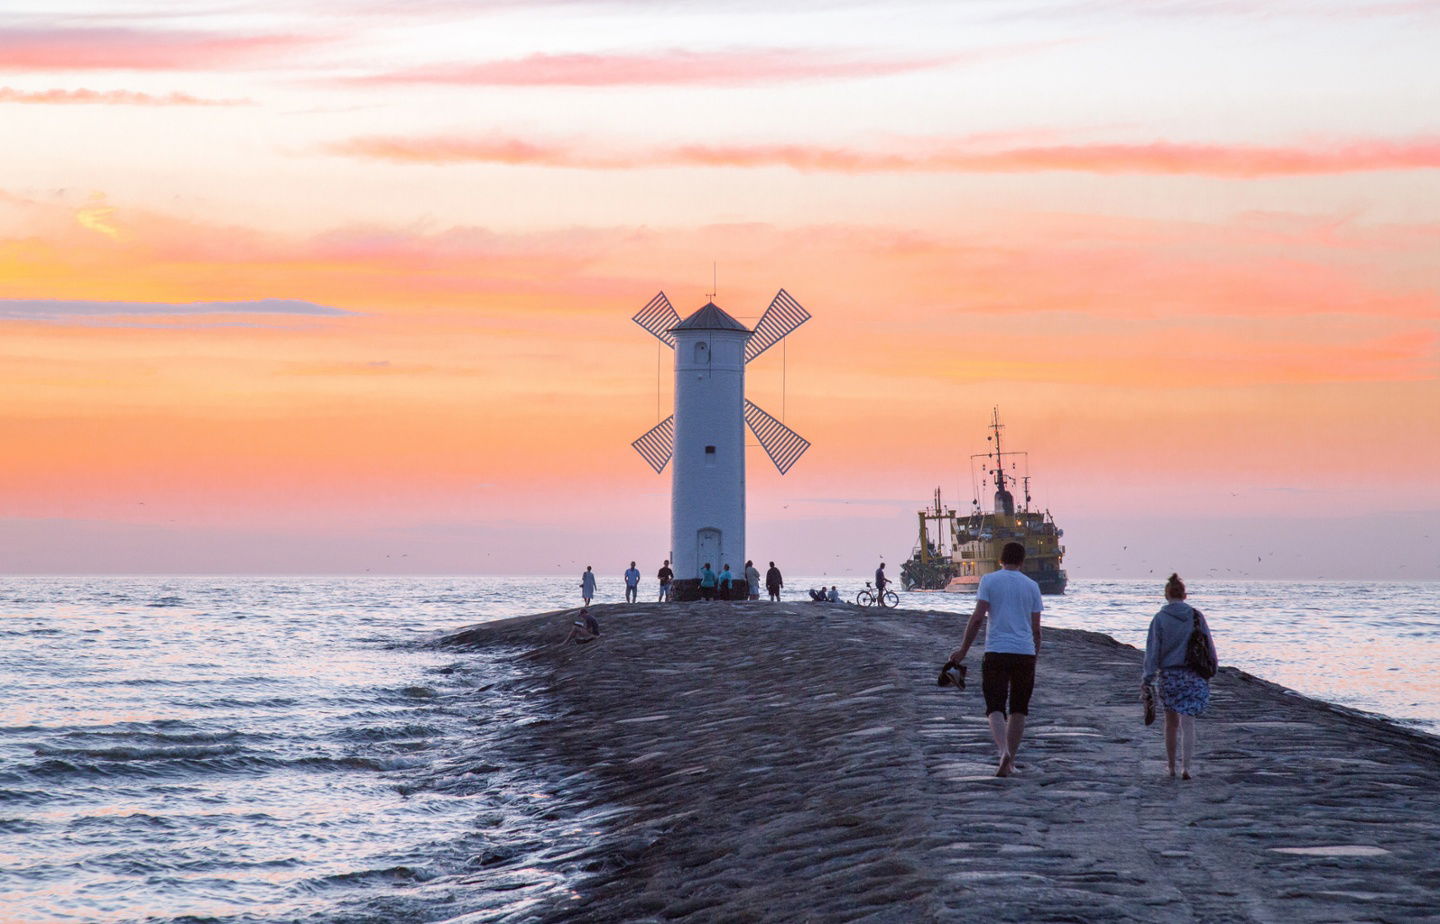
x,y
261,749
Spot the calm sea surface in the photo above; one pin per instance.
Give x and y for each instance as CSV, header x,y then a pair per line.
x,y
256,749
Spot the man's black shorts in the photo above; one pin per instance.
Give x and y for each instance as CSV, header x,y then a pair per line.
x,y
1003,674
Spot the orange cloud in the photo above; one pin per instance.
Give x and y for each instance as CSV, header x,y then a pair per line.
x,y
676,67
1166,158
134,49
110,98
480,358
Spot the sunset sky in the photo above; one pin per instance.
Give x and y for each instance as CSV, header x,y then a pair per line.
x,y
349,289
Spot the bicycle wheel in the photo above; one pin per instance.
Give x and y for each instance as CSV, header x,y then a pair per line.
x,y
890,599
864,598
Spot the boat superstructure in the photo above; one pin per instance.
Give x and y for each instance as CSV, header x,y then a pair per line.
x,y
954,551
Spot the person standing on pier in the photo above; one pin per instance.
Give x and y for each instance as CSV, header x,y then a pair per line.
x,y
726,581
880,582
773,583
1183,692
707,582
666,576
1010,601
587,585
752,580
632,583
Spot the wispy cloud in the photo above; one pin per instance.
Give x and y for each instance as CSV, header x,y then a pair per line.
x,y
38,49
110,98
1161,157
677,67
52,309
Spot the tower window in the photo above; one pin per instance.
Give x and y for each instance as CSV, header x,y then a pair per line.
x,y
709,450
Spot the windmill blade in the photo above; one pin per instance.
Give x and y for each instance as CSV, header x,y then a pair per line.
x,y
658,317
783,445
658,444
784,315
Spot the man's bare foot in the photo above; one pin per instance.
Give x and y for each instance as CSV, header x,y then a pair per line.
x,y
1172,773
1007,766
1185,775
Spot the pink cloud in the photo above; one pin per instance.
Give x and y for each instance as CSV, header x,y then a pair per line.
x,y
133,49
1163,158
110,98
675,67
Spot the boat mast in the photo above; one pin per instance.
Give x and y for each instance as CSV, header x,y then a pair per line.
x,y
997,426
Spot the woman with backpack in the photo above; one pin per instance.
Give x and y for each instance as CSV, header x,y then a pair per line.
x,y
1180,660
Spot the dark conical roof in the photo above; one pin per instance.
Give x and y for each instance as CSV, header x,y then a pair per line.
x,y
710,317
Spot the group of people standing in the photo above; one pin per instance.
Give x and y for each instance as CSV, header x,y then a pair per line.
x,y
745,586
1179,660
724,585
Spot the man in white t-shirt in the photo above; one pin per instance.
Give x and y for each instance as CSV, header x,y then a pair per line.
x,y
1011,601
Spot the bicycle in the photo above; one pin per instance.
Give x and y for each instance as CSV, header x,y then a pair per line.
x,y
869,597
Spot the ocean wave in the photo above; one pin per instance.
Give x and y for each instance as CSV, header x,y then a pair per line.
x,y
391,875
196,752
133,820
386,733
160,764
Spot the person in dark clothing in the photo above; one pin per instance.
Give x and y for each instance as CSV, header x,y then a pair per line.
x,y
773,582
666,577
585,629
880,581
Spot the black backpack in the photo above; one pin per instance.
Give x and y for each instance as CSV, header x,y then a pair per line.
x,y
1199,650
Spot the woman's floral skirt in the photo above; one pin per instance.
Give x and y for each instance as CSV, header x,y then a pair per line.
x,y
1184,691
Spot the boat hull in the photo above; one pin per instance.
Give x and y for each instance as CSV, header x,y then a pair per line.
x,y
1051,582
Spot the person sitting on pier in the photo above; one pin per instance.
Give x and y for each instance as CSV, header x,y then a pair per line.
x,y
818,596
585,629
834,595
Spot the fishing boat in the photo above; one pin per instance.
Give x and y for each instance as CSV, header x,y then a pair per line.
x,y
954,551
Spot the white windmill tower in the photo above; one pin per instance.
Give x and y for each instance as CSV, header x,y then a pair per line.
x,y
706,434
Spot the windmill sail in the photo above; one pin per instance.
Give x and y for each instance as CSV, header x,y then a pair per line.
x,y
783,445
658,444
658,317
784,315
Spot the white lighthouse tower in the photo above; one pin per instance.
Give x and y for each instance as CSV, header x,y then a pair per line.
x,y
706,434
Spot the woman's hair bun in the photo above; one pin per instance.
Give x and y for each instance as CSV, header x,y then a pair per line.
x,y
1174,587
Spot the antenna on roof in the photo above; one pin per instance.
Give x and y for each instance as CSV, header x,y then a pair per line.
x,y
714,285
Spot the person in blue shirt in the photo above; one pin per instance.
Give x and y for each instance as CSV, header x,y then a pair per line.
x,y
725,578
1010,601
632,583
707,582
